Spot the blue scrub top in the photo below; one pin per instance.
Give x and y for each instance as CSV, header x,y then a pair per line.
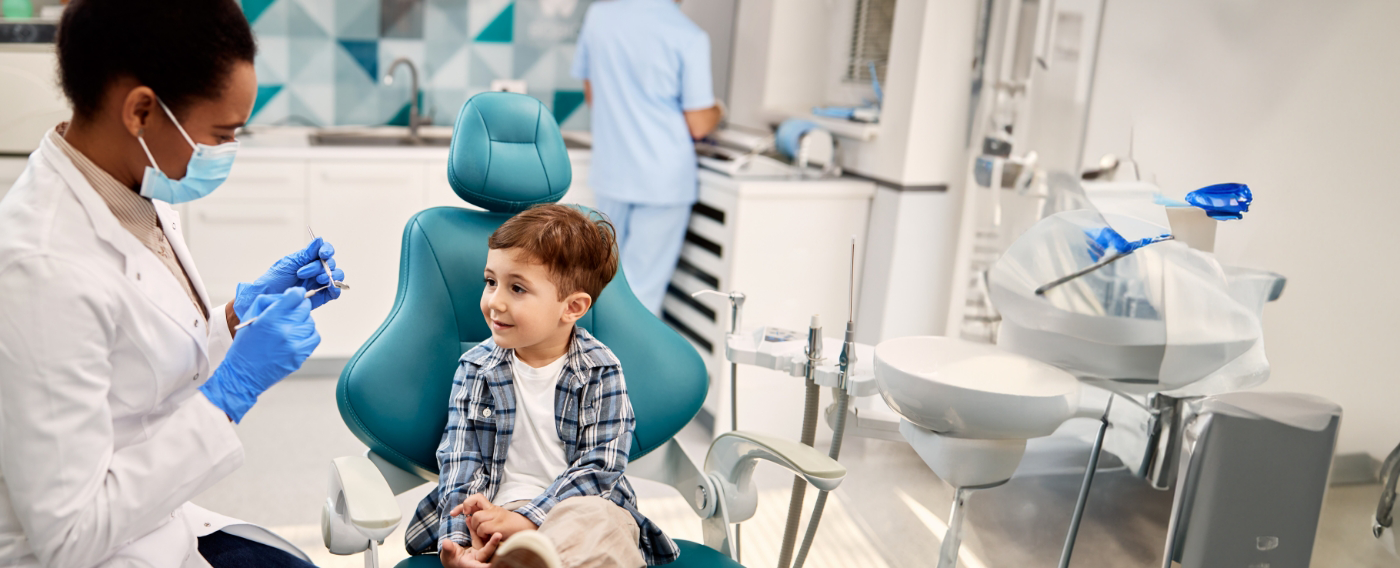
x,y
647,63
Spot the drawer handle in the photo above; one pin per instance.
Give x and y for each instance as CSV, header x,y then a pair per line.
x,y
263,180
339,177
250,218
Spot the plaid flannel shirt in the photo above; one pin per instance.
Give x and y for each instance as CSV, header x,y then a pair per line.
x,y
593,417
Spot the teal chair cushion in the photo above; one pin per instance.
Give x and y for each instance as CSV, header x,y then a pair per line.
x,y
693,555
507,153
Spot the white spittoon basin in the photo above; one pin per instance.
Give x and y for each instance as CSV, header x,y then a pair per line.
x,y
962,389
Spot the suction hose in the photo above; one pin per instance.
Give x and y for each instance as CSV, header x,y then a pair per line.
x,y
799,485
842,401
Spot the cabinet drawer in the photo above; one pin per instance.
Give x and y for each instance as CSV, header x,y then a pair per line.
x,y
234,242
263,180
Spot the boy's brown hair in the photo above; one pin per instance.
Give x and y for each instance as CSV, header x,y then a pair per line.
x,y
580,253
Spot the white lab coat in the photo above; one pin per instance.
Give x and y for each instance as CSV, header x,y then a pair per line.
x,y
104,435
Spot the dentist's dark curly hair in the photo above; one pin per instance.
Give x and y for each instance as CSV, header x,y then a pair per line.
x,y
184,50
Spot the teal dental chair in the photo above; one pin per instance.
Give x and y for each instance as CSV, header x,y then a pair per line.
x,y
506,155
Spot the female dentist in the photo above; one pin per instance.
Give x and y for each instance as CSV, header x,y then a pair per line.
x,y
119,384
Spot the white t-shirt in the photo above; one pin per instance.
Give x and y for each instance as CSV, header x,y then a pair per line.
x,y
536,455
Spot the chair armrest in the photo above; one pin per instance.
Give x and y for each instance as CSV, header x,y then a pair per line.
x,y
359,507
670,465
733,456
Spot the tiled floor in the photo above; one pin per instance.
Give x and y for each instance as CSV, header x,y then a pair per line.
x,y
890,511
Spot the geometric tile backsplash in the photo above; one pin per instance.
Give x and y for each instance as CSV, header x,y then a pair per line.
x,y
321,62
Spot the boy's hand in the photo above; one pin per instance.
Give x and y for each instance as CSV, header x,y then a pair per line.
x,y
500,521
473,505
453,555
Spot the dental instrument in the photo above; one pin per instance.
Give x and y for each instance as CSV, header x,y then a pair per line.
x,y
846,362
329,276
249,321
809,435
1100,264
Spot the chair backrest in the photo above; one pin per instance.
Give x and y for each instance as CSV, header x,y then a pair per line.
x,y
506,155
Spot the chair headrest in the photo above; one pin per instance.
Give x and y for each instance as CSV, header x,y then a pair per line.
x,y
507,153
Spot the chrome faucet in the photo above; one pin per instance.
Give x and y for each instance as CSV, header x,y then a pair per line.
x,y
414,120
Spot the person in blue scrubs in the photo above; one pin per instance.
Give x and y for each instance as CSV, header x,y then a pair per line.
x,y
646,76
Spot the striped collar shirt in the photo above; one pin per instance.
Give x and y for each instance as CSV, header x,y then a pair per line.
x,y
135,213
593,417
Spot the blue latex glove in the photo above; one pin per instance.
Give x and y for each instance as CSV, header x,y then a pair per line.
x,y
264,352
302,268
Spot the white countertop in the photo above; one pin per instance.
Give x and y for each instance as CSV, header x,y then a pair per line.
x,y
294,143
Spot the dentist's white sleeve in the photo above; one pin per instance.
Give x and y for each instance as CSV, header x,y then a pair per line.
x,y
77,498
220,336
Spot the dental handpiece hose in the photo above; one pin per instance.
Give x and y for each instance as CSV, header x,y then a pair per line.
x,y
809,437
838,434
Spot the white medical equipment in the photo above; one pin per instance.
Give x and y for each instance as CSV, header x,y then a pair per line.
x,y
1161,328
806,143
1252,480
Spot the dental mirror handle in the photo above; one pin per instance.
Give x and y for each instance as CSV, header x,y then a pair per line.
x,y
327,267
249,321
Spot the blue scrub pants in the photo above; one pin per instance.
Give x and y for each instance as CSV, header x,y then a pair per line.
x,y
649,238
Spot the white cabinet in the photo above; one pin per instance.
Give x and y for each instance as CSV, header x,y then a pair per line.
x,y
786,244
362,207
255,218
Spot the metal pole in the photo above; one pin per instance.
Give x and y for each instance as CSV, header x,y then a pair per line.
x,y
1084,489
734,425
952,540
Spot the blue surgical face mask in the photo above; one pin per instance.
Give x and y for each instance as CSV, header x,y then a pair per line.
x,y
208,168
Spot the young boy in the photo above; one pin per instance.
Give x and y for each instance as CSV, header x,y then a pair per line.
x,y
539,423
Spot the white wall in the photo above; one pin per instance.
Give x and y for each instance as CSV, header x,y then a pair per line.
x,y
716,17
789,57
923,122
923,131
1298,99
